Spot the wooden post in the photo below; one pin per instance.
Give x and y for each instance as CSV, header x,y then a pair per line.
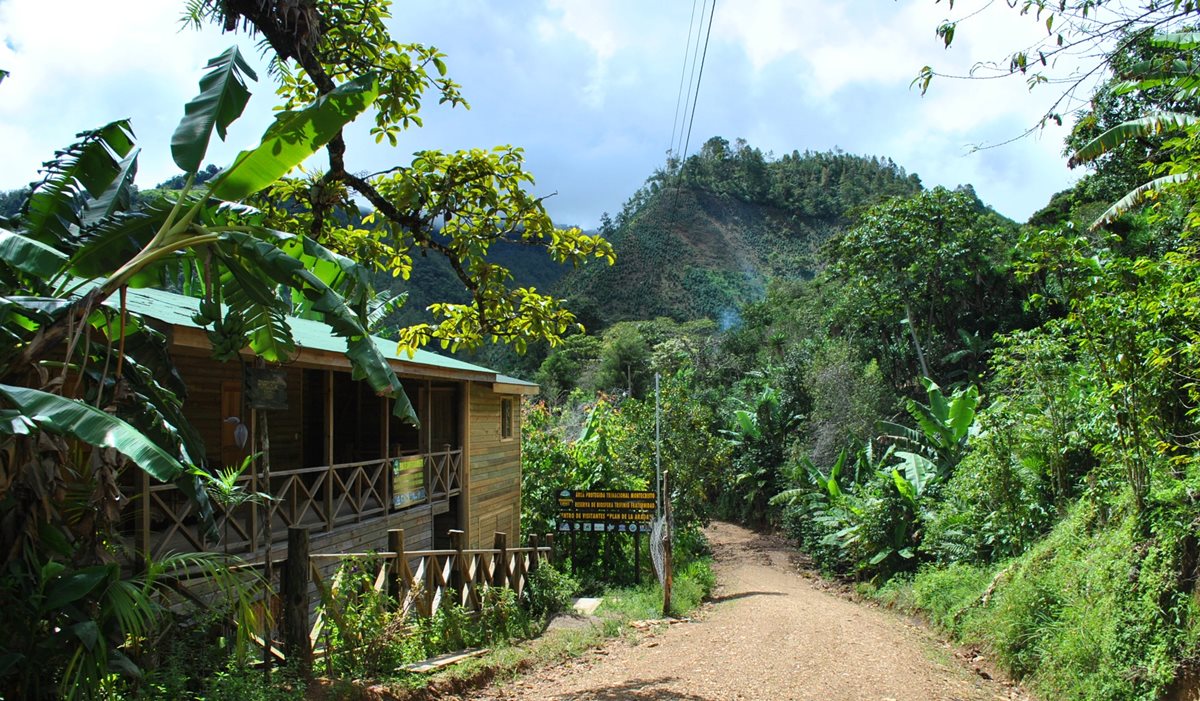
x,y
329,515
517,582
637,557
431,582
398,583
464,442
293,589
534,542
257,486
550,543
500,560
458,573
666,548
385,419
143,536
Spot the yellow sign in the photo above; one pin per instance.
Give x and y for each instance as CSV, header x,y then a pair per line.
x,y
408,481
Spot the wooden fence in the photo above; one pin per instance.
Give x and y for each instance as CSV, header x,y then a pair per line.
x,y
418,581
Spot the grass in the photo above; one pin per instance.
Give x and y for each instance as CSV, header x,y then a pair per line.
x,y
1093,611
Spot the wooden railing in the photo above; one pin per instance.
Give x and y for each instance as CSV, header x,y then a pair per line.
x,y
443,473
417,581
320,498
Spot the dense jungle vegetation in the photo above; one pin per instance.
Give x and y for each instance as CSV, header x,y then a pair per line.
x,y
988,422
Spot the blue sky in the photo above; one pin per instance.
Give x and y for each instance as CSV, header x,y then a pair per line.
x,y
587,88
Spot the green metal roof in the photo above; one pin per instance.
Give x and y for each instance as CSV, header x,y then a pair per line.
x,y
509,380
177,310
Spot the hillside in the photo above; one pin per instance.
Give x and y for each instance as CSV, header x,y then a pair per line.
x,y
703,240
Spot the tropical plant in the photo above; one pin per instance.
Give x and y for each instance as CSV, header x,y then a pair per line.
x,y
940,439
1172,71
758,435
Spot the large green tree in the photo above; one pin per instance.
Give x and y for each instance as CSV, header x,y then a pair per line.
x,y
921,279
454,205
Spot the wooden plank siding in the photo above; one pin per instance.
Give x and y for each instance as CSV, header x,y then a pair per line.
x,y
205,379
494,496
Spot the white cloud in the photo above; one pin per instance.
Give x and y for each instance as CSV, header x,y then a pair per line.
x,y
593,25
589,87
79,64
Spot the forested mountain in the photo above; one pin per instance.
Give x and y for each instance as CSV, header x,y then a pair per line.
x,y
699,240
702,238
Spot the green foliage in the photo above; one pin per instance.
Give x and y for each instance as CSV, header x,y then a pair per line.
x,y
914,272
70,631
757,433
550,591
943,427
703,240
1150,97
693,582
950,594
847,395
370,638
365,636
1095,613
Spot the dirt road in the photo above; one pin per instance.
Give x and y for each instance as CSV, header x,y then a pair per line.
x,y
769,634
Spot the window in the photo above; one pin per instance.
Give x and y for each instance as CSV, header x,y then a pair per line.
x,y
506,419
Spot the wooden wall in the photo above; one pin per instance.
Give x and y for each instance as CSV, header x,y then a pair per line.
x,y
372,534
205,379
494,500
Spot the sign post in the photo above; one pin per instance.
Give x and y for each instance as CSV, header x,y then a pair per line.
x,y
606,512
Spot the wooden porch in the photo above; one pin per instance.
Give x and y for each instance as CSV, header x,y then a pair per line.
x,y
321,499
341,463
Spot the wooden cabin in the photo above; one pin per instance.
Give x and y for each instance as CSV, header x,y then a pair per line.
x,y
340,463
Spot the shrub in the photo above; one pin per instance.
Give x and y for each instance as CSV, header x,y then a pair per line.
x,y
550,590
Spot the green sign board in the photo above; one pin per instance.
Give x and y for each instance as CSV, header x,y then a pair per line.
x,y
605,511
408,481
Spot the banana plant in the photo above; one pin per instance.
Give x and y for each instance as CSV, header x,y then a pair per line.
x,y
943,428
83,381
76,242
1182,78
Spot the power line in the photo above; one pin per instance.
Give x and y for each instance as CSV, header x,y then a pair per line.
x,y
696,96
675,122
687,101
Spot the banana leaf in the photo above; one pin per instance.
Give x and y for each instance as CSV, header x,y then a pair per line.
x,y
223,96
1136,196
1134,128
366,360
294,137
117,196
89,165
29,256
62,416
